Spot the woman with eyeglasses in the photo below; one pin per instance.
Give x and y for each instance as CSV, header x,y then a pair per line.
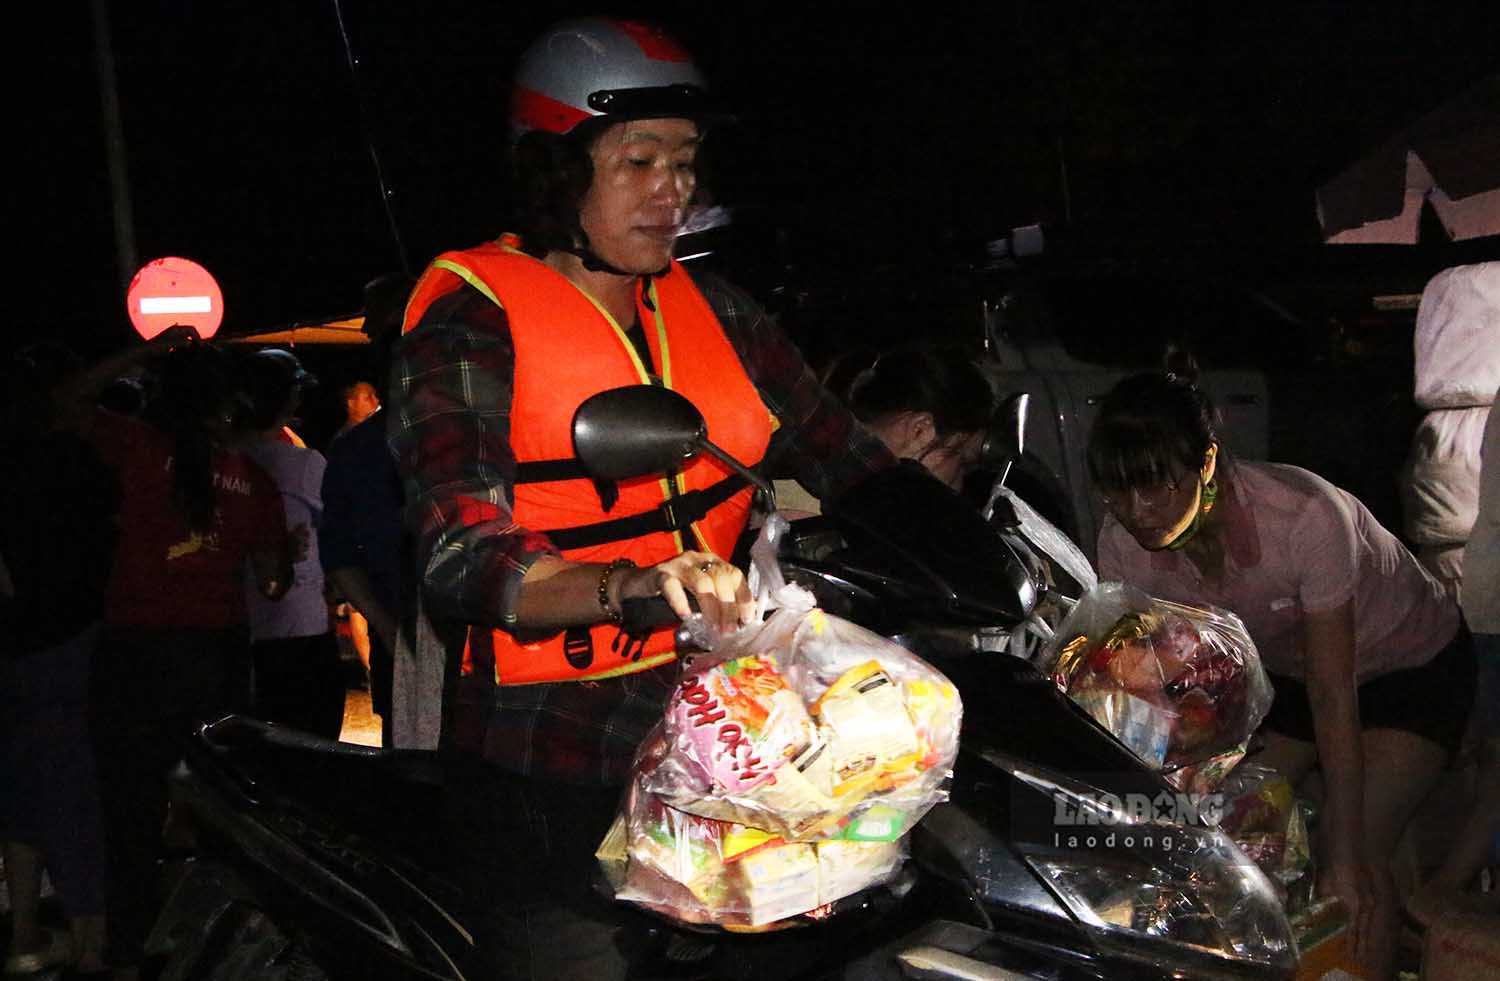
x,y
1370,659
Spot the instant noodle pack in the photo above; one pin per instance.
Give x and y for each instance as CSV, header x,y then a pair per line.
x,y
787,770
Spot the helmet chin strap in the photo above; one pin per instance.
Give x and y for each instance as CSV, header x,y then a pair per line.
x,y
594,262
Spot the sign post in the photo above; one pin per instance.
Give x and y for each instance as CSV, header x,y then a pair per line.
x,y
171,291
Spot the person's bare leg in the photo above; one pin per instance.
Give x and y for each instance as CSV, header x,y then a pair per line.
x,y
88,941
23,875
1475,845
1401,769
1292,758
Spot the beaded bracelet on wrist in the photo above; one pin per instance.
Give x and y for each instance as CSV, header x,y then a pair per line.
x,y
604,578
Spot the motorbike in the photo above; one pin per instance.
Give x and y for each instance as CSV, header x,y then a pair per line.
x,y
1058,853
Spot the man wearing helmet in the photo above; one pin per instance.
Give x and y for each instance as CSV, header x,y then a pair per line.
x,y
522,561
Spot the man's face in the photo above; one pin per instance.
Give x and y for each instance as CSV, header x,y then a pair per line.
x,y
360,403
644,176
914,436
953,457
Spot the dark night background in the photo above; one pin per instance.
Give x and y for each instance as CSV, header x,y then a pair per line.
x,y
871,136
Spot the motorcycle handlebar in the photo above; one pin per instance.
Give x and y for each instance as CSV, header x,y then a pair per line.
x,y
641,614
646,613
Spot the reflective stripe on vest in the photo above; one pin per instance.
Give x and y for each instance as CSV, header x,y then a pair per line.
x,y
567,348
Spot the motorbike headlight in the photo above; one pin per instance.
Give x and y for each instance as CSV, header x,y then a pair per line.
x,y
1179,896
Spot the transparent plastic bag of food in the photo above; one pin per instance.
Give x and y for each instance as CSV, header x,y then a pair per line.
x,y
807,743
1267,821
696,870
1177,684
808,726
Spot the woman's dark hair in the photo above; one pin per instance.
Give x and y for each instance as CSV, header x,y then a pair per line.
x,y
267,380
552,174
195,384
946,383
1152,427
840,373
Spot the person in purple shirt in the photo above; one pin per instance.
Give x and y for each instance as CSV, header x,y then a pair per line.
x,y
298,678
1370,659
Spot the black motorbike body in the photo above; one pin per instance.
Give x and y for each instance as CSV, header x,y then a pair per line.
x,y
324,859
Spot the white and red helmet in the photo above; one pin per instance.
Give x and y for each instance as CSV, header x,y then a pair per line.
x,y
600,68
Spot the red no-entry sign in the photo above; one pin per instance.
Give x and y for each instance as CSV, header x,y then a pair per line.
x,y
173,291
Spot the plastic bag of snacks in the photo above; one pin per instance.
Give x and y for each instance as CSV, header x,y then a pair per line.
x,y
789,765
698,870
1265,819
1177,684
805,725
1205,776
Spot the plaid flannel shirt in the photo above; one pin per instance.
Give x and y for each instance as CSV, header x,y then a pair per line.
x,y
451,434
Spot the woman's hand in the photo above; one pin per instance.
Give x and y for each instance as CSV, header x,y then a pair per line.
x,y
175,336
720,589
1353,882
1328,638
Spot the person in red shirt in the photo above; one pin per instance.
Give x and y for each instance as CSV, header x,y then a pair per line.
x,y
175,648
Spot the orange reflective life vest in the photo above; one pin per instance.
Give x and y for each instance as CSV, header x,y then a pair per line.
x,y
567,348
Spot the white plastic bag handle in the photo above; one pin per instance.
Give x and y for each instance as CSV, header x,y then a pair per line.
x,y
767,584
1046,536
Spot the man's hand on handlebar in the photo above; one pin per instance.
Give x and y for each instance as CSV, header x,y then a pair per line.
x,y
718,588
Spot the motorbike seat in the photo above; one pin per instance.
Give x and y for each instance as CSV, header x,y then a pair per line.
x,y
406,807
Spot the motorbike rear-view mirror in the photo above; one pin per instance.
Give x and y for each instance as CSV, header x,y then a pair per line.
x,y
645,429
1005,444
1006,440
637,430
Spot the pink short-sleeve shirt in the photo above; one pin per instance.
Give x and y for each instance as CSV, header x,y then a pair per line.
x,y
1296,544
